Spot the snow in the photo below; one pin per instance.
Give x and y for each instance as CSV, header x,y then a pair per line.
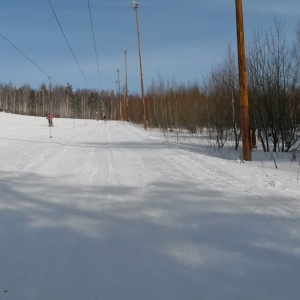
x,y
111,211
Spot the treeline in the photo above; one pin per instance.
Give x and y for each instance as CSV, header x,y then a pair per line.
x,y
273,69
61,101
64,102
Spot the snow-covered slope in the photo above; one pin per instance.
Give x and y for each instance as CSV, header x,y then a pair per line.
x,y
110,211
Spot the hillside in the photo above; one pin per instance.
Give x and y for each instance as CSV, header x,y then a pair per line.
x,y
111,211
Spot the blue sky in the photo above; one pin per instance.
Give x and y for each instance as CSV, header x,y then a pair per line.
x,y
181,40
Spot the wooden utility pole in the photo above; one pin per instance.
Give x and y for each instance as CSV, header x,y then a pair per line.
x,y
126,87
135,7
119,95
243,81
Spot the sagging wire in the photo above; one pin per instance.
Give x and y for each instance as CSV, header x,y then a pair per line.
x,y
95,48
45,73
69,44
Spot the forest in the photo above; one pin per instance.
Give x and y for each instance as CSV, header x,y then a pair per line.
x,y
212,106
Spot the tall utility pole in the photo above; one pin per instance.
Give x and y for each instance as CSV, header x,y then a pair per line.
x,y
243,81
126,87
119,95
50,98
117,100
135,7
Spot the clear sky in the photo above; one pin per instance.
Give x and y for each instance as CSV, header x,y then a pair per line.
x,y
181,40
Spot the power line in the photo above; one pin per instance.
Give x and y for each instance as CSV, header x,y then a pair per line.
x,y
27,57
69,45
94,43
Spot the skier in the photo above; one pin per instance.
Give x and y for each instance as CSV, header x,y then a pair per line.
x,y
50,119
104,118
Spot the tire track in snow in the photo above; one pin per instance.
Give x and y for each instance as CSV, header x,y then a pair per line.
x,y
150,213
109,161
106,198
71,206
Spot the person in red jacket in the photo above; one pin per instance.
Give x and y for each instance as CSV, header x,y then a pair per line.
x,y
50,119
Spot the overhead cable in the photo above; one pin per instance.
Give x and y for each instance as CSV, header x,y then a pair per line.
x,y
27,57
94,44
69,45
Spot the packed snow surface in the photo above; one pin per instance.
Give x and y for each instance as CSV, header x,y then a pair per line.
x,y
94,210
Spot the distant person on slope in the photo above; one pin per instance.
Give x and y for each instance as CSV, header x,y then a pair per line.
x,y
50,119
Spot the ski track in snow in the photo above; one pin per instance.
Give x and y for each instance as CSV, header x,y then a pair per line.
x,y
107,211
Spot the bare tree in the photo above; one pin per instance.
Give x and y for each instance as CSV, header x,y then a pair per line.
x,y
272,82
223,105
